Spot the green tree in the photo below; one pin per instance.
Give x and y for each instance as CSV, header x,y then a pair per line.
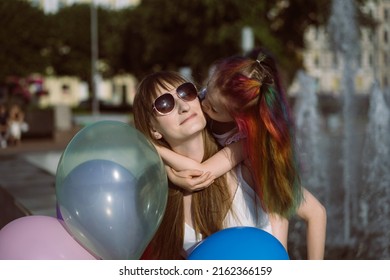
x,y
196,33
176,33
23,39
70,41
111,26
169,34
155,35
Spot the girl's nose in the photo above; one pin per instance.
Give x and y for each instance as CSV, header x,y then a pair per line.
x,y
205,105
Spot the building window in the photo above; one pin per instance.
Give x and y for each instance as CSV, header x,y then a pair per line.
x,y
359,82
65,89
386,14
113,88
370,60
124,94
336,84
316,62
365,34
35,3
335,61
371,35
316,34
385,36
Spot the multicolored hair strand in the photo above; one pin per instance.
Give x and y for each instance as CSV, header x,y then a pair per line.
x,y
256,100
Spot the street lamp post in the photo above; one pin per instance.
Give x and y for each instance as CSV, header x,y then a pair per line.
x,y
247,39
94,58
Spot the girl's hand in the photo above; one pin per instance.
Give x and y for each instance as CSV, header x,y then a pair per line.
x,y
190,180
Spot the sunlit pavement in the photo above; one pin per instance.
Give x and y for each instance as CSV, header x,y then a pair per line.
x,y
28,171
27,176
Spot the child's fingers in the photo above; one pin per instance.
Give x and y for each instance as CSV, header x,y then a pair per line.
x,y
201,182
204,184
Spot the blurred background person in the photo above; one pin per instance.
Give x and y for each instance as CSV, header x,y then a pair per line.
x,y
16,125
3,126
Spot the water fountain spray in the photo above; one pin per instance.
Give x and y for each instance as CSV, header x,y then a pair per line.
x,y
375,197
311,150
344,36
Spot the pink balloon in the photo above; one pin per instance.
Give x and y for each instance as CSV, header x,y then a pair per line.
x,y
39,238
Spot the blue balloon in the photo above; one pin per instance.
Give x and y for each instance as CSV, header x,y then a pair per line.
x,y
95,200
111,189
239,243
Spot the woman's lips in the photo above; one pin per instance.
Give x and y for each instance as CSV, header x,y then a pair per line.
x,y
190,117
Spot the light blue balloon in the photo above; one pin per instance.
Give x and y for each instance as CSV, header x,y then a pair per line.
x,y
239,243
111,190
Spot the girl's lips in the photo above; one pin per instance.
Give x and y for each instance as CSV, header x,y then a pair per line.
x,y
190,117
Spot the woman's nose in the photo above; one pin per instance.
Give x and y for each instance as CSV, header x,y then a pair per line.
x,y
182,105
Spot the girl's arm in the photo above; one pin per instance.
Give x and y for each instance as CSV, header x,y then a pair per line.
x,y
314,213
279,227
192,175
217,165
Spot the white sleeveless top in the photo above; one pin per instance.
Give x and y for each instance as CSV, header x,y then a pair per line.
x,y
247,211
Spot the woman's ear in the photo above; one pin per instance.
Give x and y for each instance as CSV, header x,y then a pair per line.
x,y
157,135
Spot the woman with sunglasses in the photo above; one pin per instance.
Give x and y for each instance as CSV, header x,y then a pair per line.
x,y
168,112
246,105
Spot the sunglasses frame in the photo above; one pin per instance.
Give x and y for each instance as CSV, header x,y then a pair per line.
x,y
179,92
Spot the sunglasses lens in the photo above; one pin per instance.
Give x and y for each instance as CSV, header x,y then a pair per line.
x,y
164,104
202,94
187,92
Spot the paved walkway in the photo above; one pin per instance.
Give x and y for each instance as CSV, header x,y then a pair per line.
x,y
27,187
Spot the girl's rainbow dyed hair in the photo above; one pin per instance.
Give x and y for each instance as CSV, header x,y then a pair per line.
x,y
254,96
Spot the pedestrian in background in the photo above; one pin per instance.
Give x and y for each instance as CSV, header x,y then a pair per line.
x,y
3,126
16,125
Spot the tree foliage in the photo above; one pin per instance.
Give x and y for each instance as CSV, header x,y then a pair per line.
x,y
188,33
70,41
157,34
22,37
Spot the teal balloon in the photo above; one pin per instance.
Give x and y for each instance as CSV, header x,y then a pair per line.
x,y
111,189
239,243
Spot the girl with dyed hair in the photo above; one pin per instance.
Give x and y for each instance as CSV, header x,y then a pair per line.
x,y
168,112
246,105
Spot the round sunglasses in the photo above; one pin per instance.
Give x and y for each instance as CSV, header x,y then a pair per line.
x,y
165,103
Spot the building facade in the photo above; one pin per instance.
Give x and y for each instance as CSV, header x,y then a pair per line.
x,y
373,64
